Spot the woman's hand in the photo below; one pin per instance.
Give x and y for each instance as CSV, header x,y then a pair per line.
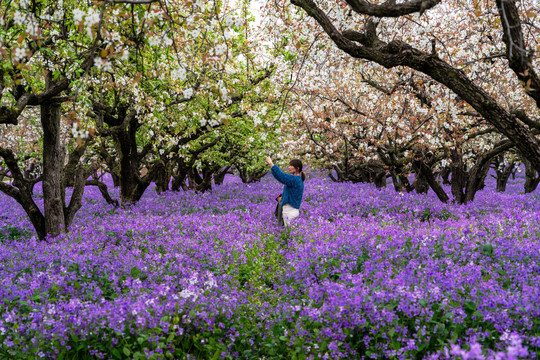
x,y
269,161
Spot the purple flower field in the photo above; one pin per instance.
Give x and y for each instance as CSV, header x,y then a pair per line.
x,y
363,273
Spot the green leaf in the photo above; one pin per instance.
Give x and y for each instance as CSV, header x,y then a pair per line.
x,y
126,351
447,316
135,272
487,249
277,330
216,354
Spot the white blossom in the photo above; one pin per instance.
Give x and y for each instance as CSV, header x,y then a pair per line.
x,y
188,93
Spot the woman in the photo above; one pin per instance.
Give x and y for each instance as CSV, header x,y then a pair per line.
x,y
293,188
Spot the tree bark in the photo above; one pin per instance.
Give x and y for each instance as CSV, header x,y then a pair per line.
x,y
104,191
124,133
420,183
163,177
179,175
219,176
445,175
532,177
395,181
427,174
458,178
75,202
53,162
57,217
465,184
75,175
21,190
380,180
504,175
476,177
396,168
129,167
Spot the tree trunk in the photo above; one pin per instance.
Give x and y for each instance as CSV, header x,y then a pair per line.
x,y
531,183
404,179
427,175
75,202
111,161
132,187
56,177
458,178
380,180
128,170
531,178
339,174
395,181
21,190
104,191
179,181
503,176
194,179
206,183
35,215
115,178
53,163
179,174
219,176
476,178
163,178
445,175
420,183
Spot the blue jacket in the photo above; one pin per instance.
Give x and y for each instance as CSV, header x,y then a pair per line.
x,y
293,189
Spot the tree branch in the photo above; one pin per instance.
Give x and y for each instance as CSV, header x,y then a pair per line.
x,y
520,59
390,8
522,115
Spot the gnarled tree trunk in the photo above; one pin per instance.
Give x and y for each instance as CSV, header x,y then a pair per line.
x,y
53,163
219,176
503,175
532,177
425,173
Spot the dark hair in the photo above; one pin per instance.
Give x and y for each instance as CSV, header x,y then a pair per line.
x,y
297,164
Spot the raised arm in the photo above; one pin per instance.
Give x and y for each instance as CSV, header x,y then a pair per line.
x,y
279,175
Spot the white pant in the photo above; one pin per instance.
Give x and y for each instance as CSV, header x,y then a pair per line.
x,y
289,214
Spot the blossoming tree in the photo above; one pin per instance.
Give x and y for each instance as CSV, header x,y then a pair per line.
x,y
375,32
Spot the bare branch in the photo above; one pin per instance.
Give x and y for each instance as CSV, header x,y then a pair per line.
x,y
13,166
390,8
481,132
522,115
